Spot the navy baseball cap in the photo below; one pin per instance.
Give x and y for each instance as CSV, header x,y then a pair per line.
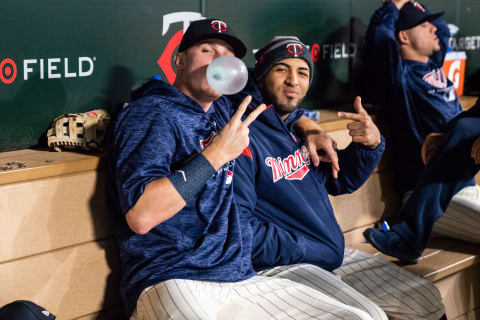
x,y
24,310
212,29
412,14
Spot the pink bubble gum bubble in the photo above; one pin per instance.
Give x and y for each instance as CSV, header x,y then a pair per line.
x,y
227,75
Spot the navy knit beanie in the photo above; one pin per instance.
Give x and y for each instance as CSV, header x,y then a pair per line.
x,y
278,49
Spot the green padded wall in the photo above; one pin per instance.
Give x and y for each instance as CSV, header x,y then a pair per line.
x,y
72,56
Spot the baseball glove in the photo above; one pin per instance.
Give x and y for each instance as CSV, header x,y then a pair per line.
x,y
79,131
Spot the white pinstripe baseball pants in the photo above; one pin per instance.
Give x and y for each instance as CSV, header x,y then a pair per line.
x,y
257,298
400,293
300,292
462,217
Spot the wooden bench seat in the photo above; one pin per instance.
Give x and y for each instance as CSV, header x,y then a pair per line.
x,y
55,245
56,248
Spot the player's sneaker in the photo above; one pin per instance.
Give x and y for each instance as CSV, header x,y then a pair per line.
x,y
391,244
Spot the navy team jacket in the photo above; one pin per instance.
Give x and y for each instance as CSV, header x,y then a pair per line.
x,y
417,97
208,239
286,197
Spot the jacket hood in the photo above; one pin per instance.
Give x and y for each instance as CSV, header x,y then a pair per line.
x,y
166,91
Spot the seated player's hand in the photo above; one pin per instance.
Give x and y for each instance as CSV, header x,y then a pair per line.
x,y
322,148
362,129
432,141
476,151
233,138
400,3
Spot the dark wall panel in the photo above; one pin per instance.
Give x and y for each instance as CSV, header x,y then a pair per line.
x,y
118,44
468,39
72,56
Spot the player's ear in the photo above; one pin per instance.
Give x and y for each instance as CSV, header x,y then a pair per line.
x,y
403,37
179,60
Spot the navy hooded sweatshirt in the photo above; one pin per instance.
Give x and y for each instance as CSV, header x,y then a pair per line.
x,y
286,197
208,239
416,97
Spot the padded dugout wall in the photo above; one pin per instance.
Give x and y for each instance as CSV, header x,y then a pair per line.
x,y
72,56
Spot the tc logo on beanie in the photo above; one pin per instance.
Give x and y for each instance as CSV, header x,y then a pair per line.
x,y
294,49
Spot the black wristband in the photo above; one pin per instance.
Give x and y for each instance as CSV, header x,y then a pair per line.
x,y
192,177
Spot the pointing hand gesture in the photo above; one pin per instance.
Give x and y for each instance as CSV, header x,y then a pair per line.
x,y
362,129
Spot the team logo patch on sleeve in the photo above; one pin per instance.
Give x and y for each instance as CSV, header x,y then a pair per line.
x,y
293,167
436,78
229,177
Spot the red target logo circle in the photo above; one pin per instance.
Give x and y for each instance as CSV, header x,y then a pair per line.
x,y
315,52
8,71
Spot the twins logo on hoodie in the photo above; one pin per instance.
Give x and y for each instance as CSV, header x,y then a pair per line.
x,y
436,78
204,143
293,167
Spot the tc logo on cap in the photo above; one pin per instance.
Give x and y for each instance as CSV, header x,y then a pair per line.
x,y
218,25
419,6
294,49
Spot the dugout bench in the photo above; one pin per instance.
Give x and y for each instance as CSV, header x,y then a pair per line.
x,y
56,248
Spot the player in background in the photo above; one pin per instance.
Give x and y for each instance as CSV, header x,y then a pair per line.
x,y
405,49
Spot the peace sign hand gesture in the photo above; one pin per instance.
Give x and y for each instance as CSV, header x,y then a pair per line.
x,y
229,143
